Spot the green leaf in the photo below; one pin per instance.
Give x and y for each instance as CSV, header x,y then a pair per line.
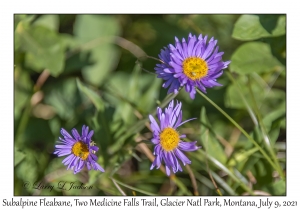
x,y
253,27
23,90
152,87
273,122
211,144
48,21
19,156
124,94
68,41
22,17
28,169
278,47
226,170
63,97
277,188
275,115
266,99
233,98
94,31
91,94
181,186
254,57
268,22
102,127
241,156
42,47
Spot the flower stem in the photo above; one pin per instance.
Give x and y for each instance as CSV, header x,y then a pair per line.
x,y
240,128
264,130
193,179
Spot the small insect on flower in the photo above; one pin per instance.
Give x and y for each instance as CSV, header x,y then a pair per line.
x,y
167,140
80,150
192,63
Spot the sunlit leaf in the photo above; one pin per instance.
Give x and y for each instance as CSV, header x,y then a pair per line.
x,y
49,21
43,48
241,157
254,57
94,31
252,27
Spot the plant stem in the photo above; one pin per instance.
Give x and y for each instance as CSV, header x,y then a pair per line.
x,y
192,176
226,170
240,128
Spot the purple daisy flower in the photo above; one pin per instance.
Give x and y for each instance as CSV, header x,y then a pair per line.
x,y
192,64
168,146
80,150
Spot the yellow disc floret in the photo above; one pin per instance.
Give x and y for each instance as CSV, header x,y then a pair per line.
x,y
195,68
169,139
81,150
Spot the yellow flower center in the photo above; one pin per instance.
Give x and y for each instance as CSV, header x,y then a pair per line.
x,y
195,68
81,150
169,139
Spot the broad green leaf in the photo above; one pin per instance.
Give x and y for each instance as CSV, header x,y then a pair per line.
x,y
129,132
33,138
22,17
91,94
23,90
94,32
211,144
253,27
28,169
134,128
273,135
99,180
249,164
102,128
133,83
274,24
68,41
120,95
150,90
273,122
278,47
63,98
48,21
42,47
277,114
133,91
276,188
254,57
140,86
19,156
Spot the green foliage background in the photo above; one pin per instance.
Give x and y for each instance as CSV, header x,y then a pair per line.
x,y
72,70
